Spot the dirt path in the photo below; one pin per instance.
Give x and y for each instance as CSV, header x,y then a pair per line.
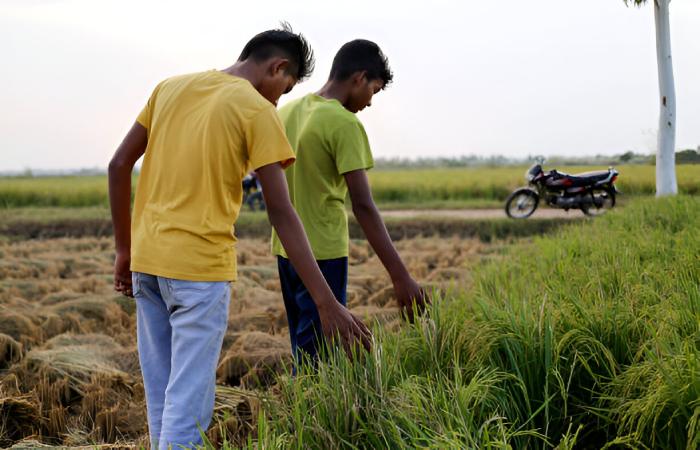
x,y
541,213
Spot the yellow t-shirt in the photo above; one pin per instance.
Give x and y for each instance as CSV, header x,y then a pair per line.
x,y
205,132
329,141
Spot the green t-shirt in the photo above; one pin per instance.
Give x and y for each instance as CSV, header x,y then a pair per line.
x,y
329,141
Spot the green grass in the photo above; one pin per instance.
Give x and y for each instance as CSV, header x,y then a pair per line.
x,y
53,214
588,338
457,187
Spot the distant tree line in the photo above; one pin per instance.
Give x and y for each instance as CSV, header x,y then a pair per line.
x,y
688,156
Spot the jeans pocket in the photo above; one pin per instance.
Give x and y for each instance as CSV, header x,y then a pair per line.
x,y
184,293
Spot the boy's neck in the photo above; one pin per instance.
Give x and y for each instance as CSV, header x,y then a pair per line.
x,y
247,70
334,90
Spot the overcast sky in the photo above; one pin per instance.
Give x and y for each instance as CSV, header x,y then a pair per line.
x,y
507,77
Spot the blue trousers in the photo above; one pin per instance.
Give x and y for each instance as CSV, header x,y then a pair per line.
x,y
305,330
180,327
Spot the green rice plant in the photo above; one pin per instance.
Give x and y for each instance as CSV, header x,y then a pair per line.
x,y
585,339
657,400
56,191
376,404
609,285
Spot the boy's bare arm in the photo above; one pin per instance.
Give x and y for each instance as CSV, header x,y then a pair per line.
x,y
406,289
130,150
335,318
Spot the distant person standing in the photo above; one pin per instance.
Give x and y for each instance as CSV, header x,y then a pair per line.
x,y
200,134
252,192
333,156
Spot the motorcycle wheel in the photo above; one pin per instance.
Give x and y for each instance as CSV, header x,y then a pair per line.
x,y
604,200
521,203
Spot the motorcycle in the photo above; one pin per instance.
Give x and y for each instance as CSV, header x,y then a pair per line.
x,y
591,192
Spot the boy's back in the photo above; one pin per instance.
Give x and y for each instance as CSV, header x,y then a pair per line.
x,y
329,141
204,130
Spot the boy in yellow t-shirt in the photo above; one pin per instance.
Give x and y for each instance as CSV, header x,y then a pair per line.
x,y
200,134
333,156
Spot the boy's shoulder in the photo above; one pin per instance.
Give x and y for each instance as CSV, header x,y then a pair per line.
x,y
291,107
220,85
334,110
322,112
179,79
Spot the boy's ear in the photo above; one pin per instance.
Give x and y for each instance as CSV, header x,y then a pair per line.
x,y
359,77
278,65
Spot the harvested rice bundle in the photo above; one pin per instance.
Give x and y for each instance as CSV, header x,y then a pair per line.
x,y
355,296
96,313
235,411
77,358
383,297
273,285
54,324
370,282
258,352
19,327
257,298
19,418
254,321
79,385
59,297
358,254
10,351
259,274
112,407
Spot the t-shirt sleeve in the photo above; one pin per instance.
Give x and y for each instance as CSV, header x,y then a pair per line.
x,y
266,140
145,117
351,148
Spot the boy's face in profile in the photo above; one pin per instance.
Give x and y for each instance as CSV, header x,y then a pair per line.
x,y
276,83
362,92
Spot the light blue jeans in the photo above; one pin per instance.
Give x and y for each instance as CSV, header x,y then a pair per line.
x,y
180,326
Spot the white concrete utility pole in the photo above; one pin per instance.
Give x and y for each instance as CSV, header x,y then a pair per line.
x,y
666,183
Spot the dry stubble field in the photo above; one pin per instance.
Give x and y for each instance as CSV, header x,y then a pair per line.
x,y
69,372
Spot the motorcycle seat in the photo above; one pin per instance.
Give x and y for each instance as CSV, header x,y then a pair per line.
x,y
581,179
587,178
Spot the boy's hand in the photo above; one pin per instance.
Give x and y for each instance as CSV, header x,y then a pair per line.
x,y
408,293
338,322
122,274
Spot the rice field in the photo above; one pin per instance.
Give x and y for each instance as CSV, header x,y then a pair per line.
x,y
585,338
476,187
495,183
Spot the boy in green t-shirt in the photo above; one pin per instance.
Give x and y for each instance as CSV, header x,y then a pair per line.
x,y
333,155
